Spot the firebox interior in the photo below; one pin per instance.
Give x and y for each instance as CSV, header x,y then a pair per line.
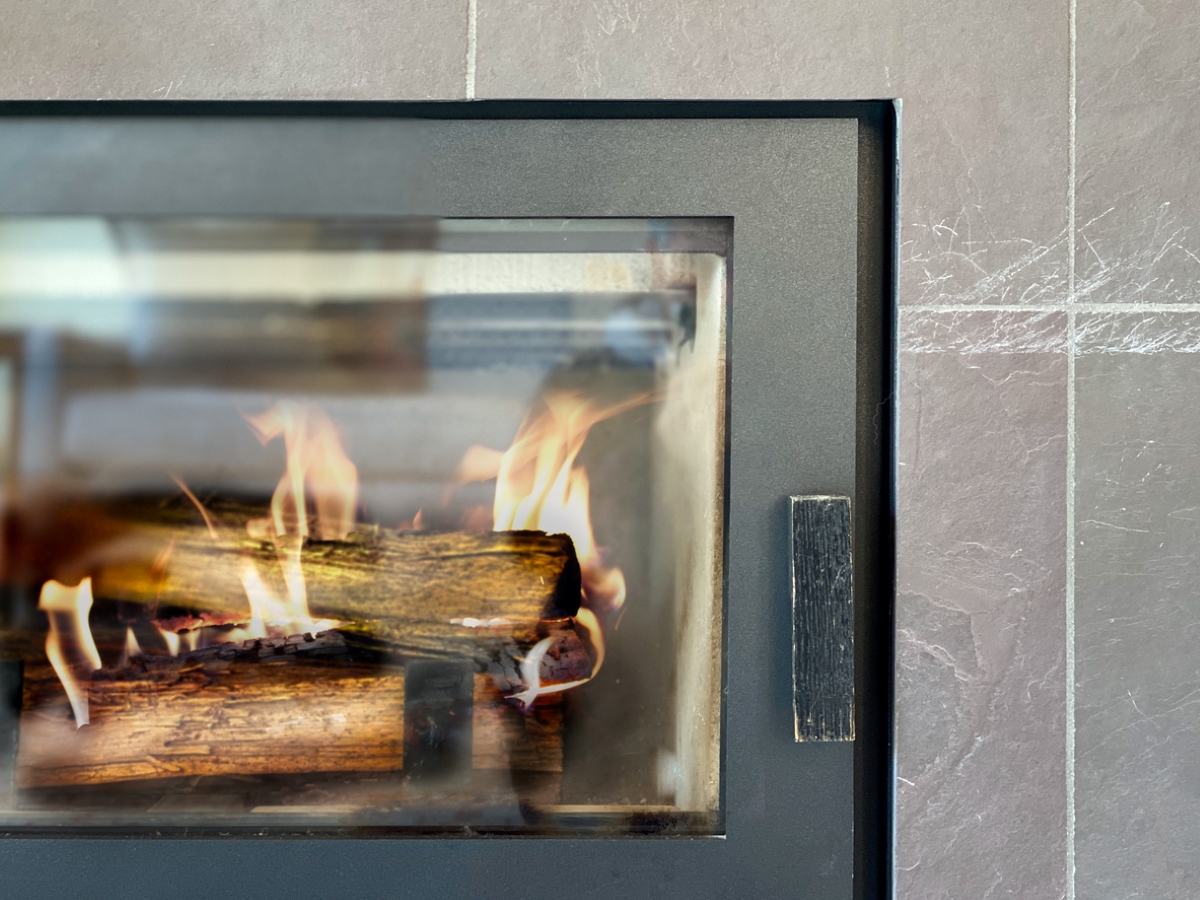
x,y
408,523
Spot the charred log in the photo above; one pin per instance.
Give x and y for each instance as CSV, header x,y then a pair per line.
x,y
458,594
283,706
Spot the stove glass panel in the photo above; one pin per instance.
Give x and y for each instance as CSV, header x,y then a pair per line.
x,y
410,525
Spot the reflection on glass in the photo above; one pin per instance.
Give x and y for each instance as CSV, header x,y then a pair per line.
x,y
413,525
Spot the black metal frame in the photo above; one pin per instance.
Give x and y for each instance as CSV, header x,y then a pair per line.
x,y
811,190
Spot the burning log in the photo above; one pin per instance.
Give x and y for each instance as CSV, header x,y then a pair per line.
x,y
482,621
293,705
460,594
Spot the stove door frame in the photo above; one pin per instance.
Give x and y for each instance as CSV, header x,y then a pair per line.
x,y
810,190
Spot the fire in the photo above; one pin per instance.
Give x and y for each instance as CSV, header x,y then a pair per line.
x,y
171,639
531,674
539,486
268,613
208,519
317,466
132,647
586,619
68,608
416,523
316,461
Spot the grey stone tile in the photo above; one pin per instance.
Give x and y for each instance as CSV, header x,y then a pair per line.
x,y
984,182
981,746
969,333
226,49
1152,331
1137,608
1138,124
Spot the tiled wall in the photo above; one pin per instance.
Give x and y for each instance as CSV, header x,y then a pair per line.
x,y
1049,605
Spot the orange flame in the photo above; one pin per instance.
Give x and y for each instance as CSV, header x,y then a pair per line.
x,y
586,619
416,523
316,461
67,609
540,487
316,465
271,616
208,520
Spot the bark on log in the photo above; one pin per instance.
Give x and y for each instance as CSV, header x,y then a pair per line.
x,y
452,594
262,707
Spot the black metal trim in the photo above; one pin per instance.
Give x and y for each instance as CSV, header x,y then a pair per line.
x,y
875,110
878,123
875,503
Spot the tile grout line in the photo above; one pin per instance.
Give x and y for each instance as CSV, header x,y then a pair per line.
x,y
1072,16
1070,608
472,21
1050,307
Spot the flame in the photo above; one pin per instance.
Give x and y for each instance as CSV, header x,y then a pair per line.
x,y
171,639
540,487
316,460
316,465
416,523
67,609
269,615
158,568
159,565
208,519
586,619
479,464
531,675
132,647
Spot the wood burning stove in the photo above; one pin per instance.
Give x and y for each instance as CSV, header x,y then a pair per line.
x,y
446,473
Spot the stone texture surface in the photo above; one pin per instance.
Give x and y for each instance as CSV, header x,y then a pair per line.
x,y
231,50
981,792
1138,185
984,182
1137,608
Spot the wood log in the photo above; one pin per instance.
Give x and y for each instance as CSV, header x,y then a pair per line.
x,y
278,706
459,594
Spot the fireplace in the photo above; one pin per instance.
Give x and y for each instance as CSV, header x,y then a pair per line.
x,y
441,472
